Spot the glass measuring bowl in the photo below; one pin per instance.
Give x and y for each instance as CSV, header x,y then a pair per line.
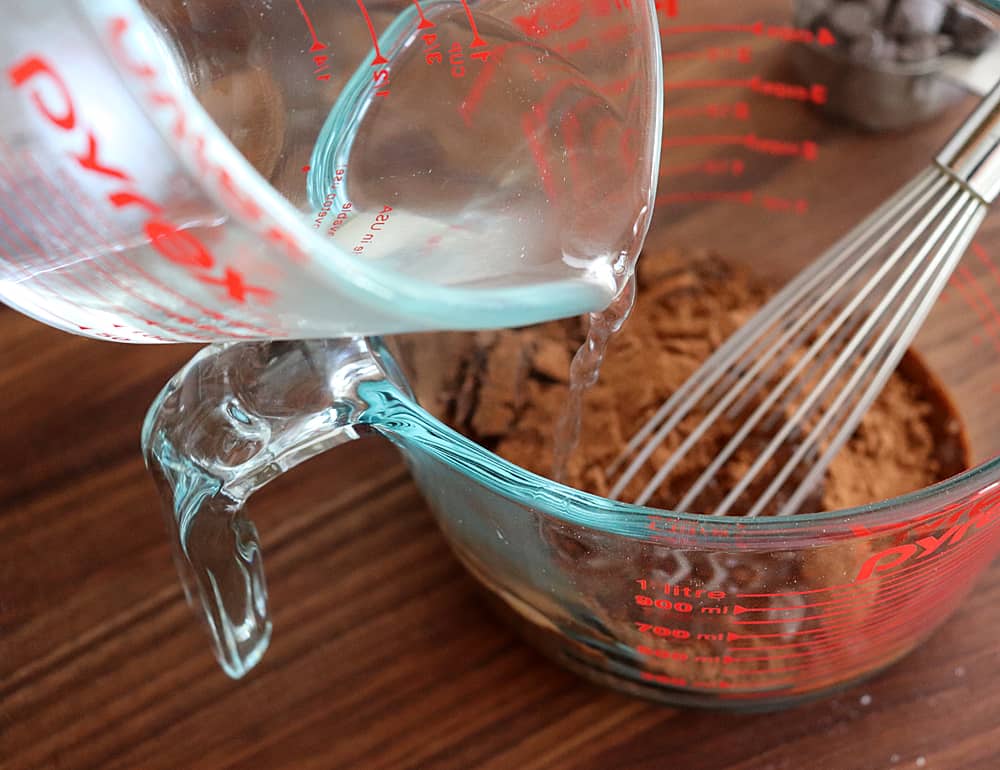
x,y
753,172
208,170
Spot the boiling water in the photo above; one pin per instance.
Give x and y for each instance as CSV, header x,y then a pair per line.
x,y
586,370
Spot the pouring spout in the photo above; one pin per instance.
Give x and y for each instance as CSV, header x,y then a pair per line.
x,y
233,419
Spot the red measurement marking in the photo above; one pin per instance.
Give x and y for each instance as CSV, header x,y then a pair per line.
x,y
16,267
816,93
773,203
710,167
714,54
756,28
528,127
669,7
111,248
379,58
743,197
236,286
317,45
930,571
806,150
619,87
616,33
100,219
491,61
959,576
82,286
457,60
972,300
863,639
739,609
737,110
984,257
305,169
320,61
477,41
424,23
759,29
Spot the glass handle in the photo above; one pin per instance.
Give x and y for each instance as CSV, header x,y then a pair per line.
x,y
234,418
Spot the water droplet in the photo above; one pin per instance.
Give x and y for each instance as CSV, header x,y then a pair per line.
x,y
865,700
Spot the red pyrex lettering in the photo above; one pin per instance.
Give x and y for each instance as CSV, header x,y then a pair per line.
x,y
213,174
55,104
893,558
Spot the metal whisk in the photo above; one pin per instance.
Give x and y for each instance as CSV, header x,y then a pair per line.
x,y
796,380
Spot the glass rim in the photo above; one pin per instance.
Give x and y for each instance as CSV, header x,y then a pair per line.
x,y
592,511
601,513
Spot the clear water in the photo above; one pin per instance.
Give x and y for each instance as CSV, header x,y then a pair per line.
x,y
586,370
504,177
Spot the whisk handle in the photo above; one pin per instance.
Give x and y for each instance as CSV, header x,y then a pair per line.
x,y
973,154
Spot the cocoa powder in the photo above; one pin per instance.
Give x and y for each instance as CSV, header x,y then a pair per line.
x,y
509,396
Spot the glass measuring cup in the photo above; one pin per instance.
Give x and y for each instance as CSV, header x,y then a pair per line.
x,y
622,594
209,170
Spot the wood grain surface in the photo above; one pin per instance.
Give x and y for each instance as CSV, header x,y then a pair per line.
x,y
384,655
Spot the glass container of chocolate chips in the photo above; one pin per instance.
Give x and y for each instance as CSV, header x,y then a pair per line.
x,y
895,63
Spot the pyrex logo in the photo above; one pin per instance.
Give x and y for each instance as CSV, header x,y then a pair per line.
x,y
980,515
50,96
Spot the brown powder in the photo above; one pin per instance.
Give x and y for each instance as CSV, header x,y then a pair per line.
x,y
507,389
509,397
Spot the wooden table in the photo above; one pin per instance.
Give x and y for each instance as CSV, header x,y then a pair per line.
x,y
103,666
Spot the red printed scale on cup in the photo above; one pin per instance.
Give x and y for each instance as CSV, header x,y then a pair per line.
x,y
802,629
711,95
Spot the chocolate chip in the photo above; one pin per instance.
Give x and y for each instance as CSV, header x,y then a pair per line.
x,y
880,9
917,18
971,34
921,49
812,12
872,46
852,19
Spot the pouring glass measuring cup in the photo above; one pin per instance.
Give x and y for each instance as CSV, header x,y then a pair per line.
x,y
211,170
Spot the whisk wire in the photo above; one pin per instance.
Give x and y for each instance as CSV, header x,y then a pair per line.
x,y
721,362
961,239
849,353
937,182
